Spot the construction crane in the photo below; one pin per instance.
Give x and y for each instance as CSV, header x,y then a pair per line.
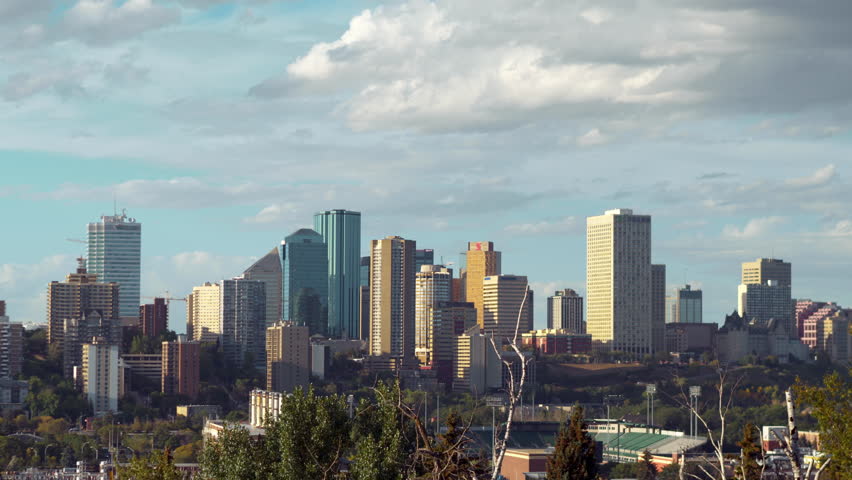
x,y
76,240
167,298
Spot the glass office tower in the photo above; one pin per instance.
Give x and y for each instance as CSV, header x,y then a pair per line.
x,y
341,231
115,255
304,266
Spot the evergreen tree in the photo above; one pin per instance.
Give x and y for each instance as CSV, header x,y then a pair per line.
x,y
646,470
750,452
574,455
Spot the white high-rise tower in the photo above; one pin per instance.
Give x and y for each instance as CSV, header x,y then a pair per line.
x,y
115,255
618,281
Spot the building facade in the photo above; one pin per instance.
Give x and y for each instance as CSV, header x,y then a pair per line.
x,y
422,257
154,318
146,365
740,337
392,297
288,357
476,366
203,313
767,285
115,256
618,281
268,270
765,302
448,321
565,311
304,260
827,333
243,321
685,306
11,347
433,285
101,376
81,330
503,302
762,270
181,369
81,292
553,341
341,232
481,261
658,308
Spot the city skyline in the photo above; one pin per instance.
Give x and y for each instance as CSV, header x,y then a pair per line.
x,y
286,115
177,315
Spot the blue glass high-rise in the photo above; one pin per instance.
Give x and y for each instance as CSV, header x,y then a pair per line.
x,y
304,268
115,255
341,231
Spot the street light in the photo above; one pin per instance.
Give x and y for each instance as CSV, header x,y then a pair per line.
x,y
650,391
694,394
494,401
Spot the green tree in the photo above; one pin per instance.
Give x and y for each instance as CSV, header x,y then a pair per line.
x,y
750,453
159,466
831,404
309,448
574,455
380,435
235,455
646,469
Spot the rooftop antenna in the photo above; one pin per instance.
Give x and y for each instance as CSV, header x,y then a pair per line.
x,y
114,204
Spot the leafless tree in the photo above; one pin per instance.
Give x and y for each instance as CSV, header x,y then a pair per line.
x,y
514,390
723,401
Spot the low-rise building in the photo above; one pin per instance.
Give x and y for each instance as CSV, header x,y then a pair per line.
x,y
557,341
146,365
189,411
264,406
742,337
690,337
12,394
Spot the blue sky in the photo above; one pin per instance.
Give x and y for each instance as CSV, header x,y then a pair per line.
x,y
222,126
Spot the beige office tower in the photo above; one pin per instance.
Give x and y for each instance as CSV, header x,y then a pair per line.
x,y
482,261
433,285
203,305
288,357
502,298
760,271
392,297
658,307
268,271
101,375
78,295
618,281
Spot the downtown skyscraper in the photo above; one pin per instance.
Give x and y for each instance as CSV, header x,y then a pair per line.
x,y
392,297
619,282
481,261
115,256
341,232
304,265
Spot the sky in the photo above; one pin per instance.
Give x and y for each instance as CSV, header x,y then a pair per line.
x,y
222,126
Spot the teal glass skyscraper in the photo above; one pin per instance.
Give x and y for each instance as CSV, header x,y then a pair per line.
x,y
304,268
341,231
115,255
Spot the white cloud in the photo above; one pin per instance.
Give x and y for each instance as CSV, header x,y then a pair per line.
x,y
274,213
596,16
100,22
755,228
592,138
818,178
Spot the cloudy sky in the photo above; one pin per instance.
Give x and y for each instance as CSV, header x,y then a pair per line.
x,y
223,125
